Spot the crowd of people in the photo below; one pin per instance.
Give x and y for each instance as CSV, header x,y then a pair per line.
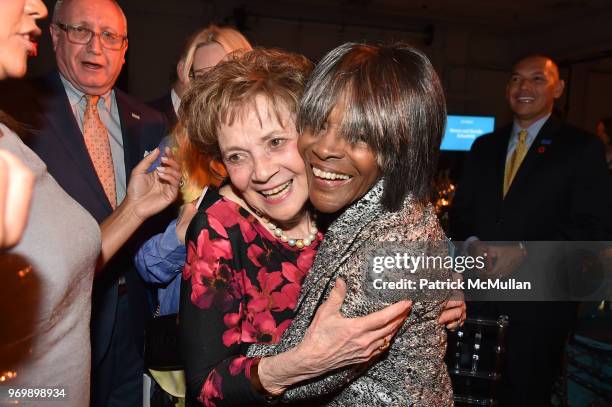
x,y
243,205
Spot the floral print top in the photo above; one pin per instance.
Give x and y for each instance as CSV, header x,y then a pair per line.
x,y
240,286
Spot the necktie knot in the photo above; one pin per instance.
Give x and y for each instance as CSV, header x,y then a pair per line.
x,y
92,101
522,136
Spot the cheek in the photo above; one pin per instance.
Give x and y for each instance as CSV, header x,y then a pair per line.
x,y
303,144
239,176
292,159
69,54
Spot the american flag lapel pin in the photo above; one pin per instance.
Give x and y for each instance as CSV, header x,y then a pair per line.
x,y
545,142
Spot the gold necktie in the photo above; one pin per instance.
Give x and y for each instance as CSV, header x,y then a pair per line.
x,y
98,146
513,164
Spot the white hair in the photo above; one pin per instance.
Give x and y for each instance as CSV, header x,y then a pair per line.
x,y
59,5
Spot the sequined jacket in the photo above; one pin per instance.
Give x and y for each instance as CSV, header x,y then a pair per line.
x,y
412,372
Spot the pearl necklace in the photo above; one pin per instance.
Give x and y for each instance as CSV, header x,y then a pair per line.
x,y
299,243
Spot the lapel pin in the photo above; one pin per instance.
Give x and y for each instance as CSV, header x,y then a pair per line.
x,y
135,116
541,149
546,141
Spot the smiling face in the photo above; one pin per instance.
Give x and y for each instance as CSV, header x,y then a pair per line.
x,y
533,88
90,68
339,172
263,163
18,32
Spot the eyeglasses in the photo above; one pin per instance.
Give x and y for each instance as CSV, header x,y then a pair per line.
x,y
198,73
82,35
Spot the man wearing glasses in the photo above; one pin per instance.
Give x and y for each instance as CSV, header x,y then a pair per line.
x,y
91,135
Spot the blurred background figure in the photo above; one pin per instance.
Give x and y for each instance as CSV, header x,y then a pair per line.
x,y
202,51
46,279
90,135
604,132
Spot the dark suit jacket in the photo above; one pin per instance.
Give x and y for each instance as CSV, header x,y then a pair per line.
x,y
562,191
164,105
53,133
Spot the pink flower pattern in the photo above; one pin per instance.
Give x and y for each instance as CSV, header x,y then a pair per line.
x,y
250,281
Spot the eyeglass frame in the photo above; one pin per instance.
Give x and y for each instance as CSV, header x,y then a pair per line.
x,y
67,28
198,73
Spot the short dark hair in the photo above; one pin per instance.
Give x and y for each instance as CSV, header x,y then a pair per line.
x,y
393,100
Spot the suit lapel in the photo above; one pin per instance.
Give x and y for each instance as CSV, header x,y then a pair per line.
x,y
536,154
63,124
130,121
500,151
169,110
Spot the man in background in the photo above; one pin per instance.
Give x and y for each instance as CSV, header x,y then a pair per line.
x,y
536,179
90,135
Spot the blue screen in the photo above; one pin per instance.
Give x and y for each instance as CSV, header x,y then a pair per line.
x,y
461,131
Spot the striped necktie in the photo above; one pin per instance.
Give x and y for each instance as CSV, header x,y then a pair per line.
x,y
98,146
513,164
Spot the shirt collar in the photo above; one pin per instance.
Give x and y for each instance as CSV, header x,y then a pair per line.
x,y
532,129
75,96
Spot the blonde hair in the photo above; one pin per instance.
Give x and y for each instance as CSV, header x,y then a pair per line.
x,y
198,168
230,39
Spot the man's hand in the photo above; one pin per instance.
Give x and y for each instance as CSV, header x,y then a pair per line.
x,y
500,260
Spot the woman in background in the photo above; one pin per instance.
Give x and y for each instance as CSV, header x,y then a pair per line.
x,y
46,279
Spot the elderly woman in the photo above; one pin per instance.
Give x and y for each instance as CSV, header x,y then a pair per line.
x,y
251,246
370,117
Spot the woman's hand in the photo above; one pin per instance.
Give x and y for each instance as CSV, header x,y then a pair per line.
x,y
150,192
16,184
453,314
333,341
